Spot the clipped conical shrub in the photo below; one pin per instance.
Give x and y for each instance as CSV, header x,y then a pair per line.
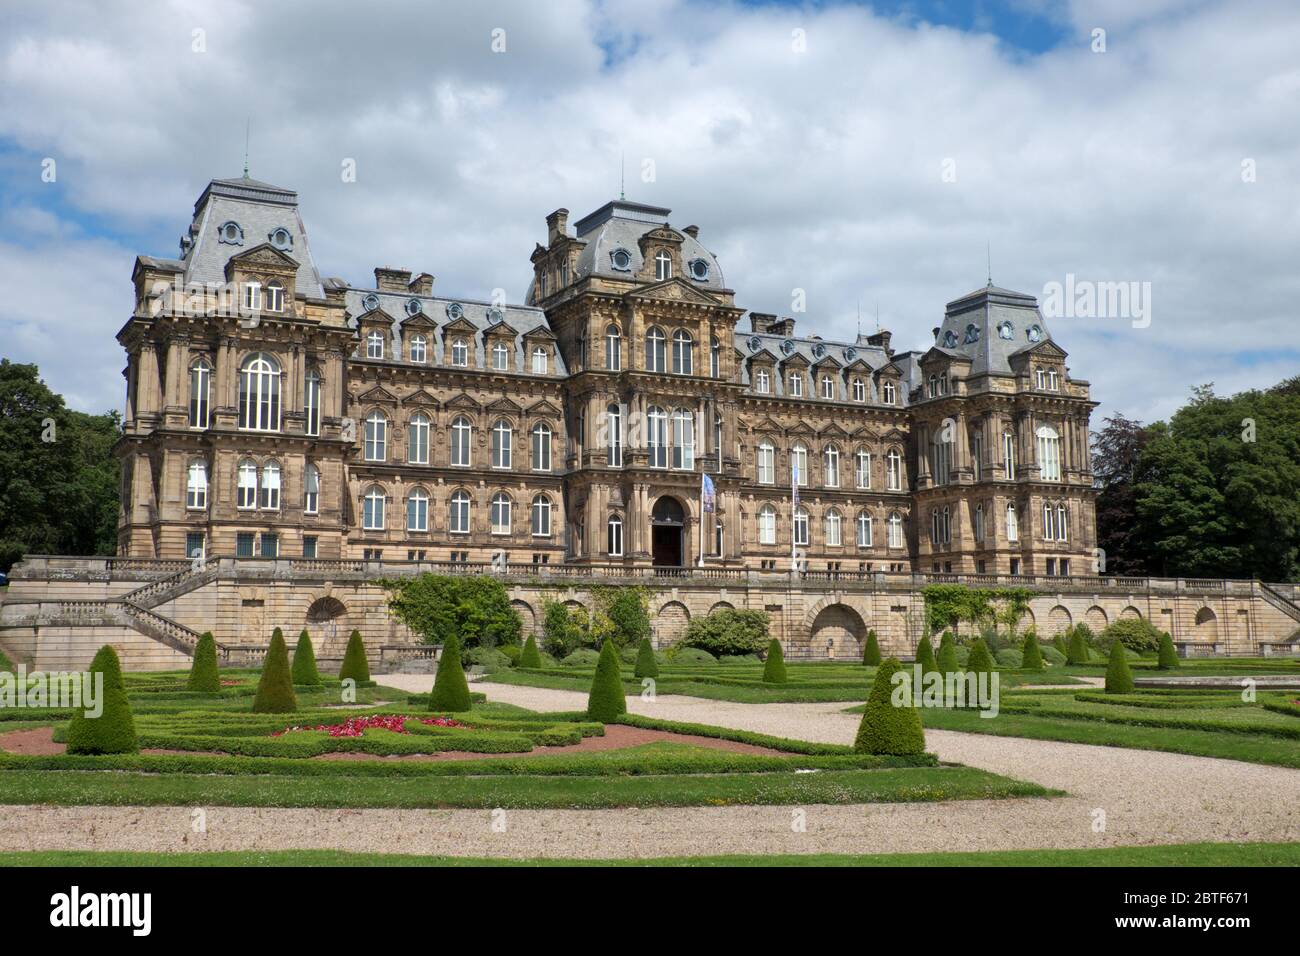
x,y
886,729
1119,679
925,656
774,666
1058,642
275,687
980,660
355,664
646,665
205,676
1168,657
113,731
605,702
304,669
1078,652
530,656
871,653
450,689
947,658
1033,654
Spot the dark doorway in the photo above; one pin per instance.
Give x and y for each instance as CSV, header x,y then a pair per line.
x,y
667,524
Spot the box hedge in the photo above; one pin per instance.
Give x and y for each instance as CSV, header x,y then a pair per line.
x,y
885,728
205,676
275,687
304,669
450,689
355,665
646,665
871,652
113,731
606,701
774,667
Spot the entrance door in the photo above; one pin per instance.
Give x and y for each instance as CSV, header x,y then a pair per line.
x,y
667,524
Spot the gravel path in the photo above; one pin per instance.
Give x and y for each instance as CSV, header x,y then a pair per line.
x,y
1146,798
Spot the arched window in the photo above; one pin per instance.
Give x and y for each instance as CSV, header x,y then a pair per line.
x,y
663,266
417,510
274,296
859,390
947,524
271,486
459,352
502,440
834,526
259,393
766,463
1013,523
614,438
374,344
500,356
979,522
862,468
541,447
311,490
614,536
683,439
462,433
894,470
828,386
372,509
247,484
682,346
936,527
541,516
761,382
200,393
655,347
801,526
795,386
375,446
895,530
418,439
767,525
934,386
311,401
657,436
888,394
419,349
715,357
1009,455
1062,523
613,348
458,513
831,466
499,513
799,464
539,360
253,296
864,530
196,487
1049,453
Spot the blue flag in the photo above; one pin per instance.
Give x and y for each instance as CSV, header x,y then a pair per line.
x,y
707,493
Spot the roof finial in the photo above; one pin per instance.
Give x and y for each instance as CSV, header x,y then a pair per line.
x,y
877,315
248,122
621,158
988,251
859,318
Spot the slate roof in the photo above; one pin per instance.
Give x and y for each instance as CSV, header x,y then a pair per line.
x,y
990,310
788,346
621,224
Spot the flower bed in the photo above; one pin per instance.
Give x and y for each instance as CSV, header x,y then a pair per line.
x,y
357,726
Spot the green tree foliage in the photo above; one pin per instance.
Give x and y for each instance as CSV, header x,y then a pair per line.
x,y
1031,655
275,687
355,664
728,631
950,605
1077,649
450,689
1119,680
646,665
626,608
1168,655
774,667
947,659
530,656
113,731
886,729
561,632
475,608
871,650
205,676
605,702
925,655
1136,633
58,476
1116,449
304,669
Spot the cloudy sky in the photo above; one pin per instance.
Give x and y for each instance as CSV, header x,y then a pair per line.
x,y
870,154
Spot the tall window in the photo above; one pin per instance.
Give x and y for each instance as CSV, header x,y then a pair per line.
x,y
799,464
941,458
259,393
614,536
500,356
796,384
895,530
1009,454
888,394
541,447
372,509
200,393
831,465
1013,523
246,482
374,344
657,436
196,487
682,345
311,490
828,387
458,513
539,360
502,436
894,470
1049,453
864,530
767,525
541,516
715,357
766,464
979,522
862,468
613,349
419,349
683,440
977,451
499,513
614,440
253,296
800,526
717,438
1062,523
655,349
375,433
417,510
274,296
459,352
859,390
418,440
663,266
834,525
462,433
762,385
311,401
271,486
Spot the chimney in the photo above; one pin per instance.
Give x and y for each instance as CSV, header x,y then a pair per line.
x,y
388,279
557,226
761,321
692,231
421,285
935,332
881,339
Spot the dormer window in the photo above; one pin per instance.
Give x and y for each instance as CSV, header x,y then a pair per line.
x,y
950,339
374,345
500,356
252,296
413,307
972,333
1035,333
370,302
699,270
539,360
621,260
282,239
1005,331
274,297
663,266
455,310
231,233
796,385
761,383
828,387
888,394
418,350
459,352
859,390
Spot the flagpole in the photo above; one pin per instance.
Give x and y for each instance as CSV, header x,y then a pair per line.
x,y
700,563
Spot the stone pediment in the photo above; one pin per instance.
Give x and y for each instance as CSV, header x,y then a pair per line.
x,y
419,321
503,406
674,290
827,362
459,325
262,257
540,332
543,409
832,431
463,401
378,394
1045,349
894,434
376,316
795,361
802,428
420,397
858,365
501,330
768,426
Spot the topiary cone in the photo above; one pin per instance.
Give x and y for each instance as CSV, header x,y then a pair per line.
x,y
1078,652
355,664
871,653
113,731
1033,655
947,659
1119,679
304,669
774,667
450,689
1058,642
275,687
205,676
980,660
925,656
886,729
530,656
606,701
1168,657
646,665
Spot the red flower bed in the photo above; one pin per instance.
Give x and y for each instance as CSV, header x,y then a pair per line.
x,y
357,726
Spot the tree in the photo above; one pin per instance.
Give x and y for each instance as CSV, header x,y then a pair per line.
x,y
205,676
925,655
304,669
1119,680
646,665
980,660
886,728
355,665
606,702
1168,658
1078,649
947,659
475,608
1136,633
774,666
728,632
1032,654
113,731
871,652
530,657
450,689
561,635
626,610
1116,450
275,687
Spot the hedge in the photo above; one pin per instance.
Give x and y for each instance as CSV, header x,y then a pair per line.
x,y
646,665
113,731
355,665
530,656
871,652
886,728
1077,653
205,677
450,689
947,659
1119,679
1031,654
605,701
925,656
275,688
304,669
1167,658
774,666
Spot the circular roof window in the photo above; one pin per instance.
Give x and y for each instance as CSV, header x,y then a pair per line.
x,y
413,307
699,269
949,339
850,354
495,315
370,302
455,310
787,346
1035,333
621,260
281,238
755,344
819,350
230,232
972,333
1005,331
